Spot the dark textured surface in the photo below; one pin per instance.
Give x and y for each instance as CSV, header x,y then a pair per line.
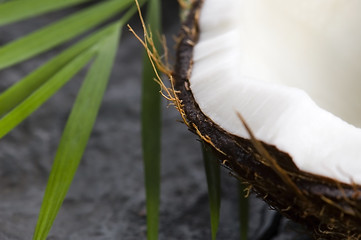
x,y
106,200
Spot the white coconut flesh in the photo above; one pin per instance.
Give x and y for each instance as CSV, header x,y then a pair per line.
x,y
292,69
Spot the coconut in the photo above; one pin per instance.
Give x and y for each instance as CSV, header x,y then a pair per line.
x,y
273,87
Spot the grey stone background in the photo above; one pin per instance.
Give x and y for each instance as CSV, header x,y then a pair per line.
x,y
106,200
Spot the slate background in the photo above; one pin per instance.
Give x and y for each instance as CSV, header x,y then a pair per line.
x,y
106,200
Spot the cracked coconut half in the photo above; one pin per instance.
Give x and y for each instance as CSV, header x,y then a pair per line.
x,y
274,88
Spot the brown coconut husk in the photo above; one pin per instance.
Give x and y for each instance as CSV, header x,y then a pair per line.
x,y
328,208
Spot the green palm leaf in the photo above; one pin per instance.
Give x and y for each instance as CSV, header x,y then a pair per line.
x,y
211,165
17,10
76,133
21,90
151,129
59,32
43,93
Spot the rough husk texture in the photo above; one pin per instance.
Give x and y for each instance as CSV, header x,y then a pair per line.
x,y
328,208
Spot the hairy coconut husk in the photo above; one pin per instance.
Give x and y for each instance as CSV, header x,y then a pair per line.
x,y
328,208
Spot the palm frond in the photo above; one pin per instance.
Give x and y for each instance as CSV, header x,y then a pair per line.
x,y
17,10
43,93
76,133
151,129
59,32
212,169
25,87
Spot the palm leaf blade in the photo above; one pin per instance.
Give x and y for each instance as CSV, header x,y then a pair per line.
x,y
21,90
35,100
212,169
58,32
76,134
151,130
17,10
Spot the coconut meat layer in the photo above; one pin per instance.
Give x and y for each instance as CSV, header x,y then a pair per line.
x,y
292,69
